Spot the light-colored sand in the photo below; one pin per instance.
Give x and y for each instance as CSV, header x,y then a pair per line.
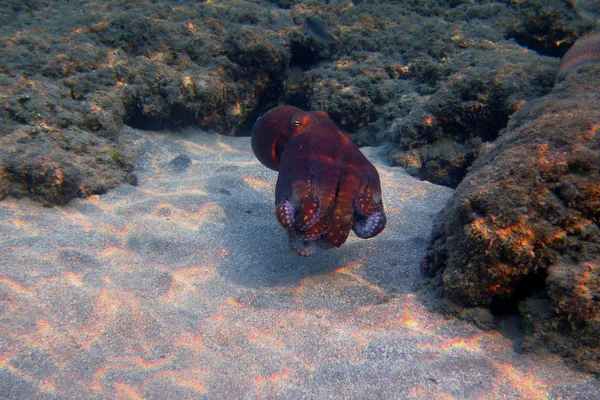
x,y
184,287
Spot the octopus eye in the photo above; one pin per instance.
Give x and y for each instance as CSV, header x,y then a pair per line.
x,y
296,123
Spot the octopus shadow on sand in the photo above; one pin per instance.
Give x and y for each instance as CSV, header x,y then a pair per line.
x,y
257,253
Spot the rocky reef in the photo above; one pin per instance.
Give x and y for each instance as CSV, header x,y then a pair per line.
x,y
436,79
522,233
72,76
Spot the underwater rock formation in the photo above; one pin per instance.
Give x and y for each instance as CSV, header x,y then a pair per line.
x,y
522,232
72,82
435,79
421,76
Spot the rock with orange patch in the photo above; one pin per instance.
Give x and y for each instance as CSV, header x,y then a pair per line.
x,y
522,232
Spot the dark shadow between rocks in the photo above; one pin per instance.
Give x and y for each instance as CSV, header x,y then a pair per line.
x,y
504,317
138,120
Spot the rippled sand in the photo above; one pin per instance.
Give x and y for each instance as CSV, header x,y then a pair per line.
x,y
184,287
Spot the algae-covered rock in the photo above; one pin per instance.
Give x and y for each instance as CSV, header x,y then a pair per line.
x,y
71,78
53,166
427,74
444,74
525,221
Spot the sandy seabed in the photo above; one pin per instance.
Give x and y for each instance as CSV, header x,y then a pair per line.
x,y
184,287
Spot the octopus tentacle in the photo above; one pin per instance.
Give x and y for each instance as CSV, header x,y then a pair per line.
x,y
372,225
315,192
284,212
370,218
343,211
367,203
301,247
325,186
310,210
320,224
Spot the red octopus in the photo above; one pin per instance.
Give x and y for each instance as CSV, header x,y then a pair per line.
x,y
586,50
325,187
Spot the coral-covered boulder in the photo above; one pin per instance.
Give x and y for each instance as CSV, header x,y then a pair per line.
x,y
523,226
55,166
70,84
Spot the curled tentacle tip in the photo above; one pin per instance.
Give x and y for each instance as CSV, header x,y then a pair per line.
x,y
310,211
284,212
370,226
302,247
